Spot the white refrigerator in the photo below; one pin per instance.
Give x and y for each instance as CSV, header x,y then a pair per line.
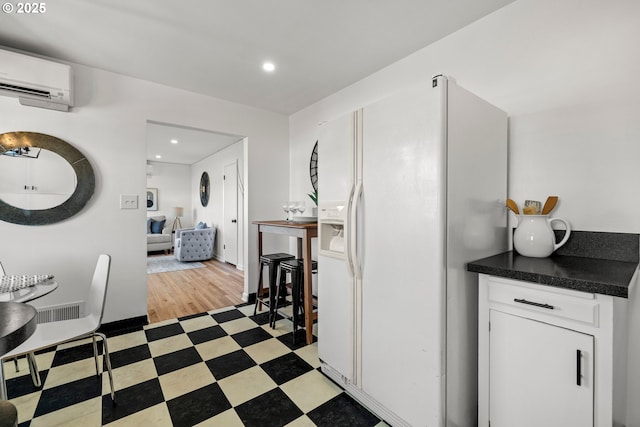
x,y
411,188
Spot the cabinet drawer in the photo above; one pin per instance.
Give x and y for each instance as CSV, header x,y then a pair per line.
x,y
563,303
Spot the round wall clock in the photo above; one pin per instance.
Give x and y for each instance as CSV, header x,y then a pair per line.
x,y
313,167
204,189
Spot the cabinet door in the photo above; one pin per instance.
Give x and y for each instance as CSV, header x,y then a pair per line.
x,y
533,374
14,175
52,174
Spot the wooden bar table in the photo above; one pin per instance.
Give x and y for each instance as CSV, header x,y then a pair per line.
x,y
304,232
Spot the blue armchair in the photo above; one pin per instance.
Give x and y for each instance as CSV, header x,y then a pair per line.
x,y
194,244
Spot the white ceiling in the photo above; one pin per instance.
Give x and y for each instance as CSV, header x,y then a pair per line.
x,y
217,47
192,144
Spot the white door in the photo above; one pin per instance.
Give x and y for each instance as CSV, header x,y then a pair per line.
x,y
533,374
15,185
51,173
335,283
335,146
230,229
401,250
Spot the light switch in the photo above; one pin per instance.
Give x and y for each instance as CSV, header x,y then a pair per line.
x,y
128,201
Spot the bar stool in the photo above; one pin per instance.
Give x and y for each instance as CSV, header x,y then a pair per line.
x,y
296,268
271,261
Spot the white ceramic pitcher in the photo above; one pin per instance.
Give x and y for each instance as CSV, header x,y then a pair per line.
x,y
534,236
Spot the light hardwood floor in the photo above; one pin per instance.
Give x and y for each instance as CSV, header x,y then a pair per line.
x,y
181,293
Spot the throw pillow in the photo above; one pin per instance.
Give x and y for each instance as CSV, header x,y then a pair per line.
x,y
148,225
201,225
157,226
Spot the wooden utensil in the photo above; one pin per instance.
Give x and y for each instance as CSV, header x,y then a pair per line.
x,y
549,204
513,206
531,207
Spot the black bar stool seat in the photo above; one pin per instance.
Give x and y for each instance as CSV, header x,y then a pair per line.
x,y
295,267
271,261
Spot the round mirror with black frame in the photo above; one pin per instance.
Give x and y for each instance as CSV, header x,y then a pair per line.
x,y
204,189
25,144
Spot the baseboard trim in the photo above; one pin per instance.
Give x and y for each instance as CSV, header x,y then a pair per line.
x,y
249,298
120,327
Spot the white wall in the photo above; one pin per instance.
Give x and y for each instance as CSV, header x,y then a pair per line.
x,y
108,125
213,213
566,72
173,182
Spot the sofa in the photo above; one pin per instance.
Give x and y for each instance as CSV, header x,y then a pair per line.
x,y
159,236
195,244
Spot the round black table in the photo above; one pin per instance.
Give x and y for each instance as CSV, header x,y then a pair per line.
x,y
17,323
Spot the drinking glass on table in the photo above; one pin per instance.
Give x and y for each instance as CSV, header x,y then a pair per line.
x,y
288,207
294,209
302,206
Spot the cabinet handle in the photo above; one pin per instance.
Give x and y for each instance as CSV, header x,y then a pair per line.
x,y
537,304
578,367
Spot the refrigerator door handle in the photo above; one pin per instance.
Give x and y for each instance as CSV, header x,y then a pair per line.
x,y
353,231
347,233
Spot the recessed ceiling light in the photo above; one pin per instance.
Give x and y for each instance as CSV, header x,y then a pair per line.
x,y
158,156
268,66
174,141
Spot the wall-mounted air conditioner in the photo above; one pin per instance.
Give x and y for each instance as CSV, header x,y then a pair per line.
x,y
35,81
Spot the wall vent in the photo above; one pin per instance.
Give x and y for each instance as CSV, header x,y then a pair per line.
x,y
54,313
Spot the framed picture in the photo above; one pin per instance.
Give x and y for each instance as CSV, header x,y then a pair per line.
x,y
152,199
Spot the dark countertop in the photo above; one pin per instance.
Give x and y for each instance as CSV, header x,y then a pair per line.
x,y
594,275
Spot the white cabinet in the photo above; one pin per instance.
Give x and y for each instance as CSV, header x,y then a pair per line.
x,y
539,374
550,356
40,183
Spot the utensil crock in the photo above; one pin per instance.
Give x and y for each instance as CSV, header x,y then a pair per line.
x,y
534,236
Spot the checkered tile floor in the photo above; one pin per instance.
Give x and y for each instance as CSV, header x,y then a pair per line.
x,y
223,368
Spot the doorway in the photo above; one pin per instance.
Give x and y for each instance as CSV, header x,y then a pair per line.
x,y
176,177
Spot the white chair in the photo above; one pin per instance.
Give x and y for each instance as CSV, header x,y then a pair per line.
x,y
54,333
